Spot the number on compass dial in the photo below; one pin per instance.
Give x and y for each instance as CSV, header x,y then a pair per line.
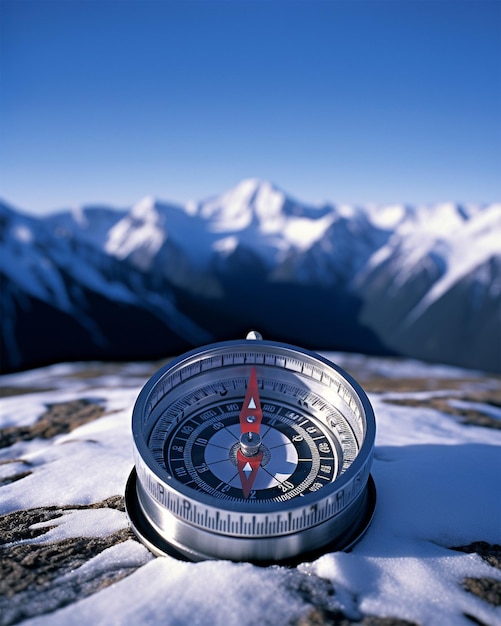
x,y
254,449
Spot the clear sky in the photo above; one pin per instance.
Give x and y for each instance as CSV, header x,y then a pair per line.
x,y
106,101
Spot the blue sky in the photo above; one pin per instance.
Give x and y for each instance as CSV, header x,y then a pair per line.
x,y
106,101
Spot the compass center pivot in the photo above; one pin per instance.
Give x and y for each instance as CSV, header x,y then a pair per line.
x,y
250,443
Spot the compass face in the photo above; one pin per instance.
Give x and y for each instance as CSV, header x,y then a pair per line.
x,y
250,450
298,456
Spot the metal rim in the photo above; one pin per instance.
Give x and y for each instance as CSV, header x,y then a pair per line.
x,y
160,546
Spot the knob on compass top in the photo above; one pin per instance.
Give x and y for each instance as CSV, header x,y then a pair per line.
x,y
251,450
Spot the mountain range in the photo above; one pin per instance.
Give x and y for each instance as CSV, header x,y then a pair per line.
x,y
159,278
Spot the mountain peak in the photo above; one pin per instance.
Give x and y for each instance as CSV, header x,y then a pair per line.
x,y
251,201
145,207
398,270
253,185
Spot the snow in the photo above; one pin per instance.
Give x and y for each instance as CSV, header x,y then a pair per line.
x,y
226,245
409,256
142,229
204,594
35,261
492,411
462,250
438,485
78,214
447,241
23,234
33,272
80,523
387,217
260,216
302,232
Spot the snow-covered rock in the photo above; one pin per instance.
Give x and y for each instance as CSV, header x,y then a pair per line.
x,y
431,557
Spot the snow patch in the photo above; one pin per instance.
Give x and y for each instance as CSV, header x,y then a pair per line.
x,y
141,233
22,233
437,484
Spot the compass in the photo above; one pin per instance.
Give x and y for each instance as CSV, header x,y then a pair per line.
x,y
251,450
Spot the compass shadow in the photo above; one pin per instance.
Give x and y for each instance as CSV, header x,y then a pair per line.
x,y
431,496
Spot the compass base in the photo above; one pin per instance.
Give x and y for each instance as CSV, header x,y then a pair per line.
x,y
160,546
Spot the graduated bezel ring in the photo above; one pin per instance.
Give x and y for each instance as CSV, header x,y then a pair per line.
x,y
164,511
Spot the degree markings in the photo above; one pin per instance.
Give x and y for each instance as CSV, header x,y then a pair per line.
x,y
272,477
177,416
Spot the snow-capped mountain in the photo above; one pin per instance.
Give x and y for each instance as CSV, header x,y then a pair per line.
x,y
254,215
63,297
441,273
147,282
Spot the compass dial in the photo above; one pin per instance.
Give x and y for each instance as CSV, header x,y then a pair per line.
x,y
251,450
296,455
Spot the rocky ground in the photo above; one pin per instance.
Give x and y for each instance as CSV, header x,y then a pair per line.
x,y
46,564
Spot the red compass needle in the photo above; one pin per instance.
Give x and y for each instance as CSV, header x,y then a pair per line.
x,y
251,414
249,455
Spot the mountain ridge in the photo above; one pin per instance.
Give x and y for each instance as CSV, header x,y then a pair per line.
x,y
419,281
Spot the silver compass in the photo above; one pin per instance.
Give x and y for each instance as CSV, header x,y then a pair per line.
x,y
251,450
